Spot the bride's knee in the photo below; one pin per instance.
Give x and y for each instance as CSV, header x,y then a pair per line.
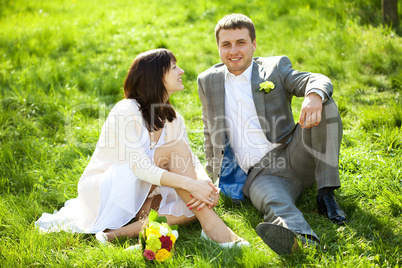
x,y
180,146
173,156
174,146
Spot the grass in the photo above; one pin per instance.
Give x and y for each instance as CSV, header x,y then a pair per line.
x,y
61,70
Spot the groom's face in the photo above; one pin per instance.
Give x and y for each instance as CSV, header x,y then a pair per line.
x,y
236,49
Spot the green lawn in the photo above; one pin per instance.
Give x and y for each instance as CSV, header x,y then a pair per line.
x,y
63,63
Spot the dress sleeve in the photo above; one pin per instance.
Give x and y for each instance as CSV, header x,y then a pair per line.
x,y
126,129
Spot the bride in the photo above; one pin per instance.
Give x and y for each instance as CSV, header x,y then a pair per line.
x,y
143,161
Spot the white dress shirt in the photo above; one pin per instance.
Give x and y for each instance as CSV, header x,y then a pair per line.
x,y
243,128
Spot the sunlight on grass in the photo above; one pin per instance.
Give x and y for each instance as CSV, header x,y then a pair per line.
x,y
62,67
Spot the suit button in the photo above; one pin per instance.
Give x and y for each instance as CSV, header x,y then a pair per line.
x,y
223,151
218,175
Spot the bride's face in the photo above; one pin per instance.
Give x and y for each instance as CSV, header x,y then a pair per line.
x,y
172,79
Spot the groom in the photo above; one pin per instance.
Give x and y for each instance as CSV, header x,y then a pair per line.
x,y
247,110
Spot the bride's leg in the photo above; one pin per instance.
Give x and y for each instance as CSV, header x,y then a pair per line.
x,y
130,230
133,229
177,159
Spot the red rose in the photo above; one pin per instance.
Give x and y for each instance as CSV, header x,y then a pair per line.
x,y
149,254
166,242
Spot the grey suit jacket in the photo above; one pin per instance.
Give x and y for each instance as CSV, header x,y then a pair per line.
x,y
273,108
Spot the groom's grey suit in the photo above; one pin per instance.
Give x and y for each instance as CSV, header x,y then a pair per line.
x,y
302,156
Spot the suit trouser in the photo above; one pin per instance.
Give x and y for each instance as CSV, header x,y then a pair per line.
x,y
311,156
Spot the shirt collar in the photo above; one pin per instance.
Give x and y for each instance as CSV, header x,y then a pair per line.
x,y
246,74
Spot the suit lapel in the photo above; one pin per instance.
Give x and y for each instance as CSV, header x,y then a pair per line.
x,y
218,91
218,99
257,77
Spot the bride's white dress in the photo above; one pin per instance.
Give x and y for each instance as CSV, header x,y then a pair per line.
x,y
119,176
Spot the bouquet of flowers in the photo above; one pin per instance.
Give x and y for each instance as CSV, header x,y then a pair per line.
x,y
158,238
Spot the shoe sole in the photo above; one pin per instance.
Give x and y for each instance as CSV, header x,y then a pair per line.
x,y
281,240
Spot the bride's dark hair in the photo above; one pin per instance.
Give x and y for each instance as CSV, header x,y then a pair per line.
x,y
144,83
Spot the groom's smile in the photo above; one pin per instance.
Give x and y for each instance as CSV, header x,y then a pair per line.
x,y
236,49
234,59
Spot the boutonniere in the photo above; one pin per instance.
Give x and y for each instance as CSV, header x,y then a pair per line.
x,y
267,86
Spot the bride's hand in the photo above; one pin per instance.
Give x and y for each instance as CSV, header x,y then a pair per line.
x,y
203,191
195,203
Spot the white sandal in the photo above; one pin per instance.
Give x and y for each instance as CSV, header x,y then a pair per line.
x,y
239,243
134,248
102,238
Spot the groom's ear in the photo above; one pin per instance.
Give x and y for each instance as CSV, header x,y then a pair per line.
x,y
255,44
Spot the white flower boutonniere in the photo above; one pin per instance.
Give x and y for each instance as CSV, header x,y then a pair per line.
x,y
267,86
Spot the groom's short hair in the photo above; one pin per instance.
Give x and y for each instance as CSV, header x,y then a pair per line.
x,y
235,21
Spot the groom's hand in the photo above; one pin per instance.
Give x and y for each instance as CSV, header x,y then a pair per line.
x,y
310,113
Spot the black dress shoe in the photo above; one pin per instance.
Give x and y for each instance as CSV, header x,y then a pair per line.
x,y
280,239
328,206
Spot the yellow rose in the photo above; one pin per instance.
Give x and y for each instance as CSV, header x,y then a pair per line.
x,y
151,230
163,255
173,238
